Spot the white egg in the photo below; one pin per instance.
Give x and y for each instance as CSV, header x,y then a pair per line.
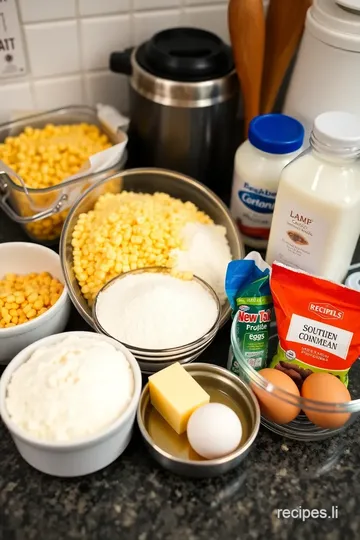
x,y
214,430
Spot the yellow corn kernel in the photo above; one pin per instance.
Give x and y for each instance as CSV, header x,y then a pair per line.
x,y
54,298
33,294
27,308
126,231
32,297
19,298
38,304
36,155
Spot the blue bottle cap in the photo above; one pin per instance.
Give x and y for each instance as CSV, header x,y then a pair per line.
x,y
276,133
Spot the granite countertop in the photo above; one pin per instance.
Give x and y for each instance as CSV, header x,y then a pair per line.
x,y
135,499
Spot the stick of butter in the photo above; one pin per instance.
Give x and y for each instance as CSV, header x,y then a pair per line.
x,y
175,395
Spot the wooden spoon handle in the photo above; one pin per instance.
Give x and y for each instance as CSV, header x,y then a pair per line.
x,y
284,27
247,32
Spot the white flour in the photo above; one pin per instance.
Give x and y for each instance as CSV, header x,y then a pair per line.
x,y
206,254
71,389
156,311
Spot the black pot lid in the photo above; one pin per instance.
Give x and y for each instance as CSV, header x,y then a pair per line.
x,y
185,55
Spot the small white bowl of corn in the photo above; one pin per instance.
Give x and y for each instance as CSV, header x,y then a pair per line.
x,y
33,300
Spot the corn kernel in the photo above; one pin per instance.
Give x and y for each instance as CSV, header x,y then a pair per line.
x,y
26,309
27,297
42,161
38,304
126,231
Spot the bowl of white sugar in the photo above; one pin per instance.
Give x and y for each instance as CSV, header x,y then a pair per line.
x,y
69,402
160,317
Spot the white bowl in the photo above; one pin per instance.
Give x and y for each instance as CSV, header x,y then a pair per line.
x,y
24,258
83,456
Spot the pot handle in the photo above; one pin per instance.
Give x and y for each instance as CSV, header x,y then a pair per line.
x,y
120,62
4,195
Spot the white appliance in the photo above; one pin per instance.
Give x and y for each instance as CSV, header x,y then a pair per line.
x,y
326,75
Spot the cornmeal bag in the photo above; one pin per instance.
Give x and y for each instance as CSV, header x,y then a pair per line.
x,y
318,324
248,290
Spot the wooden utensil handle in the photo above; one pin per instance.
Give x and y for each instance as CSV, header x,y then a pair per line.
x,y
284,27
247,32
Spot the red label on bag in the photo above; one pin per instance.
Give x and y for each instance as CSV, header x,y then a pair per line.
x,y
318,321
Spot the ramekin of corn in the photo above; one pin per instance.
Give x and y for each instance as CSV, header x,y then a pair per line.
x,y
40,155
33,298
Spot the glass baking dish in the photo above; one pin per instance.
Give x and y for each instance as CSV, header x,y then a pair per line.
x,y
42,212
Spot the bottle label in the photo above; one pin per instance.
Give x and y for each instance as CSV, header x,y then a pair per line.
x,y
252,208
300,239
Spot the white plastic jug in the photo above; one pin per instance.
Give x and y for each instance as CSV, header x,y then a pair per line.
x,y
326,75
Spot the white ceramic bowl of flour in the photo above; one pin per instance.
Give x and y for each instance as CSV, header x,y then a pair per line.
x,y
80,455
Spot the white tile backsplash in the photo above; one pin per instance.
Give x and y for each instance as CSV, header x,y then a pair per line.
x,y
14,97
109,88
100,36
68,43
53,48
149,23
204,2
46,10
102,7
153,4
58,92
210,18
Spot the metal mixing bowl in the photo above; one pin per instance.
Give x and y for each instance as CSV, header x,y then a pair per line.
x,y
171,451
146,181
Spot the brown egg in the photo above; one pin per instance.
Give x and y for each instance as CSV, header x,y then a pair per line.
x,y
272,407
329,389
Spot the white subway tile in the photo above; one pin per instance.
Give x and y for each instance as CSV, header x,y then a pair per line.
x,y
108,88
148,24
213,19
100,37
52,48
14,97
52,93
97,7
207,2
46,10
153,4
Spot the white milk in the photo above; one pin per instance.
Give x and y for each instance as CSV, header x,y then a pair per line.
x,y
316,222
274,141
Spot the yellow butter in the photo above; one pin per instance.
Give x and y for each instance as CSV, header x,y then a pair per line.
x,y
175,395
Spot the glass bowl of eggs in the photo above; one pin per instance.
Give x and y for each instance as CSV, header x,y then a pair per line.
x,y
319,407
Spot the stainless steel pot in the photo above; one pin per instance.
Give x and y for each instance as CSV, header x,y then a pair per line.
x,y
184,98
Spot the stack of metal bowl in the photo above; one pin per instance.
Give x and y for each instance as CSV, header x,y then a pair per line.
x,y
152,360
151,181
